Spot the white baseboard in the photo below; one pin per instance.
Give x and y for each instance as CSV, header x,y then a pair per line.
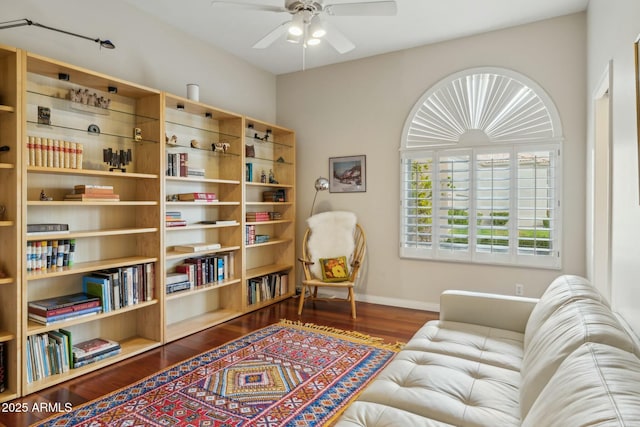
x,y
394,302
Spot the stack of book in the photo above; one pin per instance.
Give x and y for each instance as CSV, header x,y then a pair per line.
x,y
93,193
201,197
257,216
278,195
199,172
250,234
65,307
174,219
47,228
93,350
176,282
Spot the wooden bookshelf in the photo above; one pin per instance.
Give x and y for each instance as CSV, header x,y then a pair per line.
x,y
272,159
57,142
107,234
10,219
203,154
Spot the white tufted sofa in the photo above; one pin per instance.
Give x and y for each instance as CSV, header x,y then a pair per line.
x,y
564,360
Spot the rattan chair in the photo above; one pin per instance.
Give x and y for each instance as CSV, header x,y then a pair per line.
x,y
330,226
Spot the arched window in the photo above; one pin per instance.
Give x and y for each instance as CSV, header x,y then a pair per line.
x,y
481,173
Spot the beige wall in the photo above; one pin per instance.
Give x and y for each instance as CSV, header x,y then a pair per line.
x,y
147,52
360,107
613,27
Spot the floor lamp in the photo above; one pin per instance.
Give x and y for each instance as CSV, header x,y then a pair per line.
x,y
321,184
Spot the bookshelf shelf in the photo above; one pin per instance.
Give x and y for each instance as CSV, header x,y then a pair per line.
x,y
37,328
77,204
175,255
269,243
6,166
6,281
7,223
6,336
202,321
90,172
90,233
204,288
7,109
88,267
130,347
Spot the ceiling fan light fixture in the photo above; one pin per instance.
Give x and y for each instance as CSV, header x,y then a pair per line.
x,y
297,25
313,41
294,38
316,27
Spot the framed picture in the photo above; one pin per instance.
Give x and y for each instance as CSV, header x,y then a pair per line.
x,y
347,174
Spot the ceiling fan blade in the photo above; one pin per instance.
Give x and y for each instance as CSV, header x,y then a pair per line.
x,y
338,40
252,6
369,8
272,36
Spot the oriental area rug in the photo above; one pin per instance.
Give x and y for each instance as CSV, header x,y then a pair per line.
x,y
287,374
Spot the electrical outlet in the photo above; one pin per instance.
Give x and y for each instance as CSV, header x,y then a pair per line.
x,y
519,289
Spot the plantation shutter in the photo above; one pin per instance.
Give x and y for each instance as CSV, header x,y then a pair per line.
x,y
481,172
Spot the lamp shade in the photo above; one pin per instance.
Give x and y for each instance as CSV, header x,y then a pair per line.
x,y
322,184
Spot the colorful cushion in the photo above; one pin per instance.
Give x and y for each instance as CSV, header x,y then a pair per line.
x,y
334,269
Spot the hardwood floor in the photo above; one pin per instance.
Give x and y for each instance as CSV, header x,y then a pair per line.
x,y
392,324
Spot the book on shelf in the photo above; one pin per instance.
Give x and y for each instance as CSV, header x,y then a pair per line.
x,y
197,247
278,195
208,269
92,189
54,153
46,254
92,197
257,216
248,172
99,287
177,287
47,354
49,320
93,350
127,286
58,311
47,228
197,172
267,287
174,219
92,347
198,197
225,222
77,300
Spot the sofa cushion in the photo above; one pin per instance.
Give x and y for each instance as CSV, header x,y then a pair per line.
x,y
443,388
492,346
377,414
595,385
566,329
560,292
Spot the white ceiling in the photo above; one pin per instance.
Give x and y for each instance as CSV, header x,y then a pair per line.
x,y
418,22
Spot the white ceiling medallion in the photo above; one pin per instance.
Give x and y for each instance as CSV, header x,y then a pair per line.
x,y
482,107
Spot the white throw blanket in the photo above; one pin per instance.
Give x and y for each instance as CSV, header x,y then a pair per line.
x,y
331,237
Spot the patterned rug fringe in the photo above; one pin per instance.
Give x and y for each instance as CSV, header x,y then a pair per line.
x,y
350,335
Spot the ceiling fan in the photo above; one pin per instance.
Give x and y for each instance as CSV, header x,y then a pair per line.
x,y
308,24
